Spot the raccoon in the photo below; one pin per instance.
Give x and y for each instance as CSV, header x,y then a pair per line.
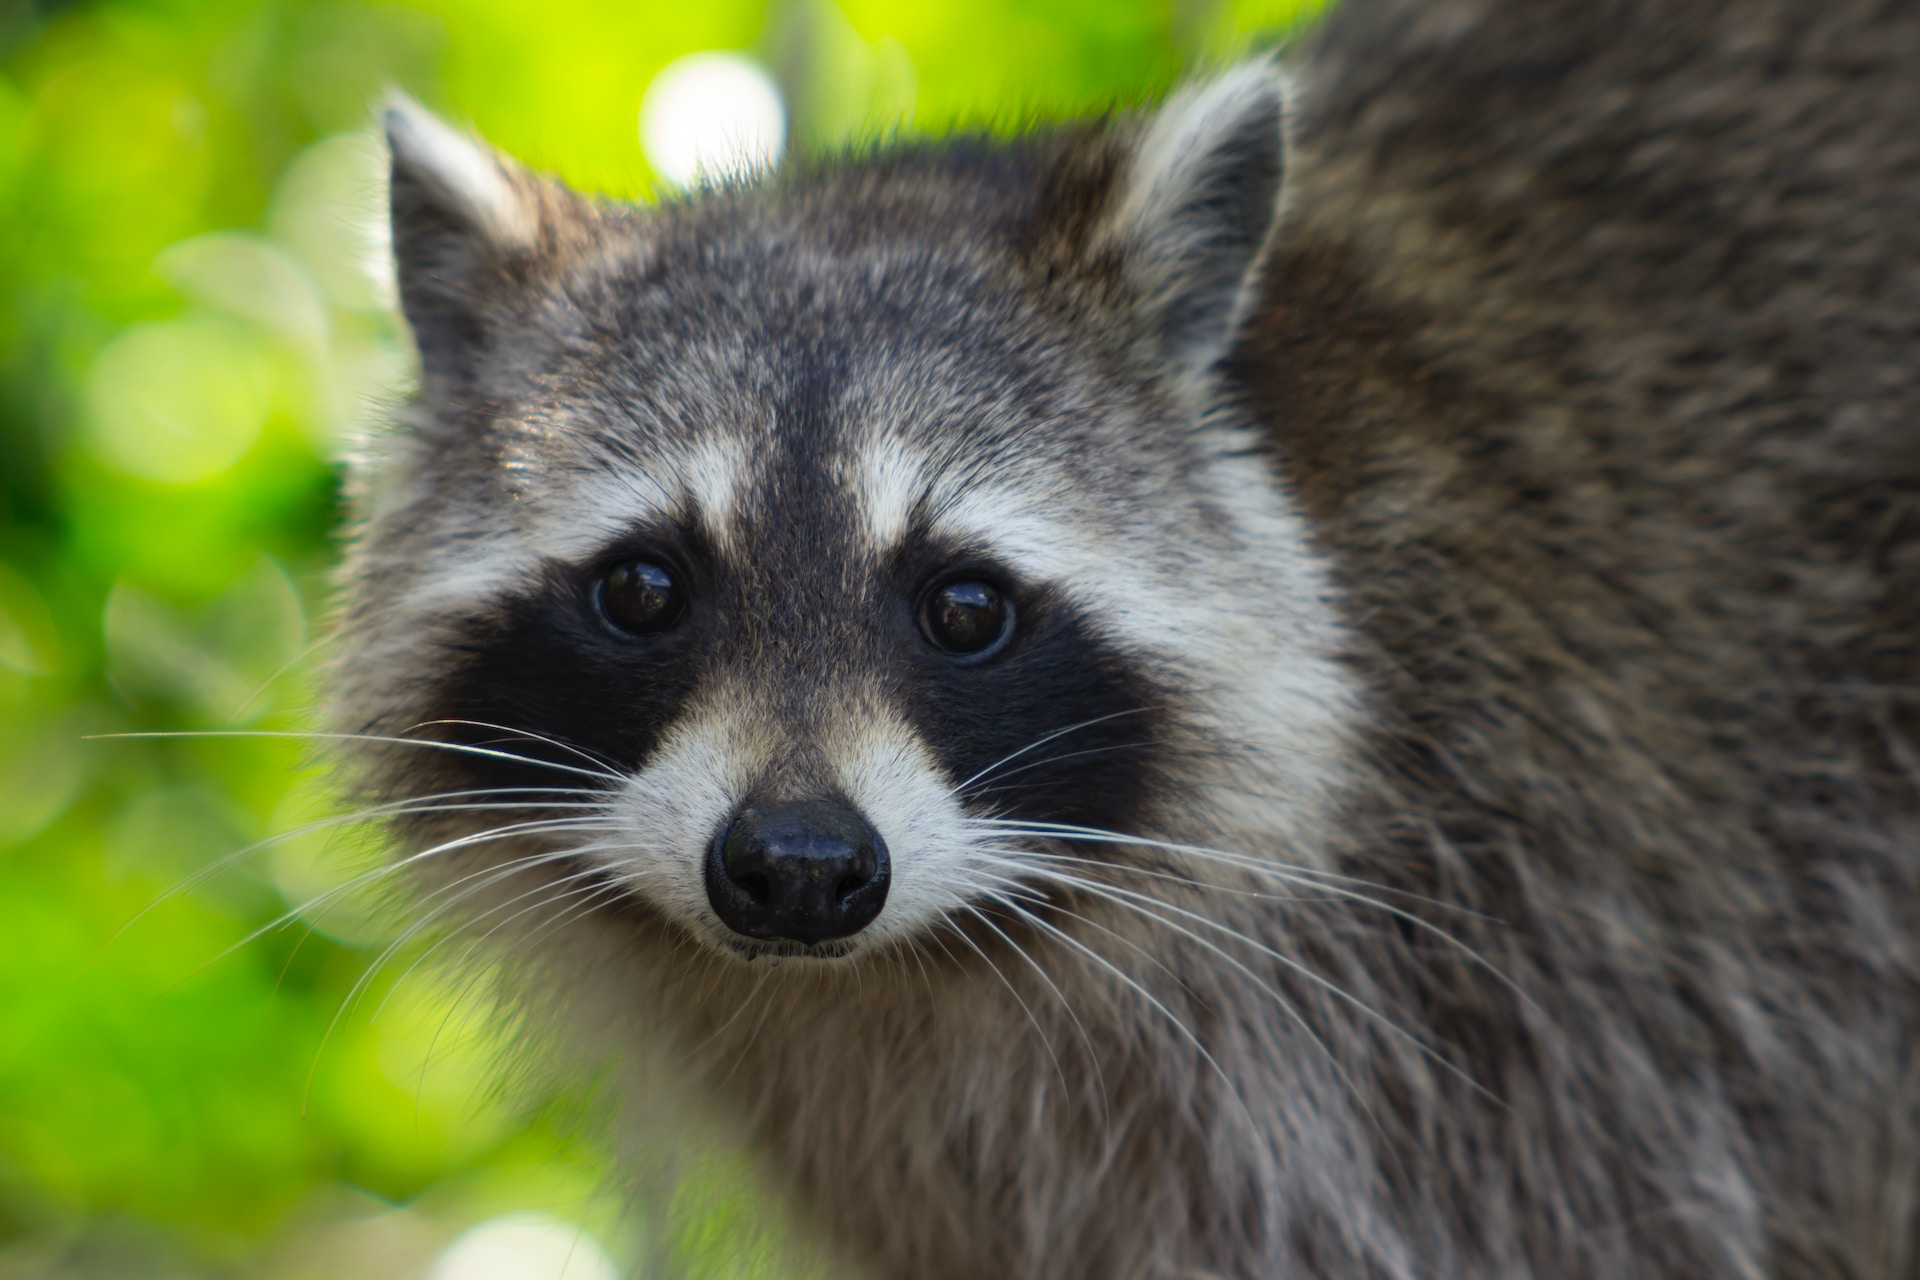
x,y
1317,681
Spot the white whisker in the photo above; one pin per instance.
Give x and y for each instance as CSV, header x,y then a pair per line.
x,y
408,807
487,878
383,739
1045,1042
1102,962
1144,906
593,894
1328,882
1093,1054
612,769
506,871
999,780
1042,741
360,881
1149,907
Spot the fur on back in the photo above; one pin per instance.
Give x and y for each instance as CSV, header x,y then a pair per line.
x,y
1451,809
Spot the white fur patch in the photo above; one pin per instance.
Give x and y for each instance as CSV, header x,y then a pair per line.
x,y
714,478
1127,595
892,777
600,508
891,481
674,807
594,510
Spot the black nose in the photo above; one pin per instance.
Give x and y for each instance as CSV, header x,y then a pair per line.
x,y
806,871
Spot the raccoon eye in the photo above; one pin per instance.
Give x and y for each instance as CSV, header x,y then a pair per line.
x,y
640,597
965,617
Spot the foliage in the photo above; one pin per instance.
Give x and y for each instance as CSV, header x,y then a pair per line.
x,y
189,336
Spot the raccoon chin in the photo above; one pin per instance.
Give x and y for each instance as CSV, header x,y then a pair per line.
x,y
772,954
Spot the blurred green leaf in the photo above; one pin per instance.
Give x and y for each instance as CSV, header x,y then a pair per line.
x,y
327,209
180,401
218,661
251,279
43,763
28,641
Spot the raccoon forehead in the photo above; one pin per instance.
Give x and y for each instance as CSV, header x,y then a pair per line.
x,y
461,537
575,512
1033,516
1030,452
876,496
872,445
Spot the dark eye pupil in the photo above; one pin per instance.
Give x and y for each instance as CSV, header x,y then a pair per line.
x,y
640,597
964,617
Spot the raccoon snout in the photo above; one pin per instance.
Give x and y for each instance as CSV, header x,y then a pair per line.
x,y
805,871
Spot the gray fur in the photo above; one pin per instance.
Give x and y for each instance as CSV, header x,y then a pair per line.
x,y
1532,593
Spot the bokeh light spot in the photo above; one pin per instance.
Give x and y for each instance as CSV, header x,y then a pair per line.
x,y
709,115
330,209
525,1246
42,765
224,662
251,279
177,402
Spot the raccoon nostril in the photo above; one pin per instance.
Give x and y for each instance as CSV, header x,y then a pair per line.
x,y
806,871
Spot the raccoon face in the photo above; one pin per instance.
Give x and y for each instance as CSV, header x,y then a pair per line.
x,y
847,539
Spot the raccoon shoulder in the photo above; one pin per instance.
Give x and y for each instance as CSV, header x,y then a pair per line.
x,y
1607,312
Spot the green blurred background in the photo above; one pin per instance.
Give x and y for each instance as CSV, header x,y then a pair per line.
x,y
190,337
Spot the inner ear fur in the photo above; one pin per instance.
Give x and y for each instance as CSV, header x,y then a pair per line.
x,y
473,232
1194,197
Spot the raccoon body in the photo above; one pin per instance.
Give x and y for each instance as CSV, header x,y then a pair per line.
x,y
1318,682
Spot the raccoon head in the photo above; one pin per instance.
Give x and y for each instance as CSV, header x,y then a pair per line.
x,y
807,562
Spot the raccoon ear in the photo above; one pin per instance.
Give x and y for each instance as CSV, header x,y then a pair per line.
x,y
467,231
1193,206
